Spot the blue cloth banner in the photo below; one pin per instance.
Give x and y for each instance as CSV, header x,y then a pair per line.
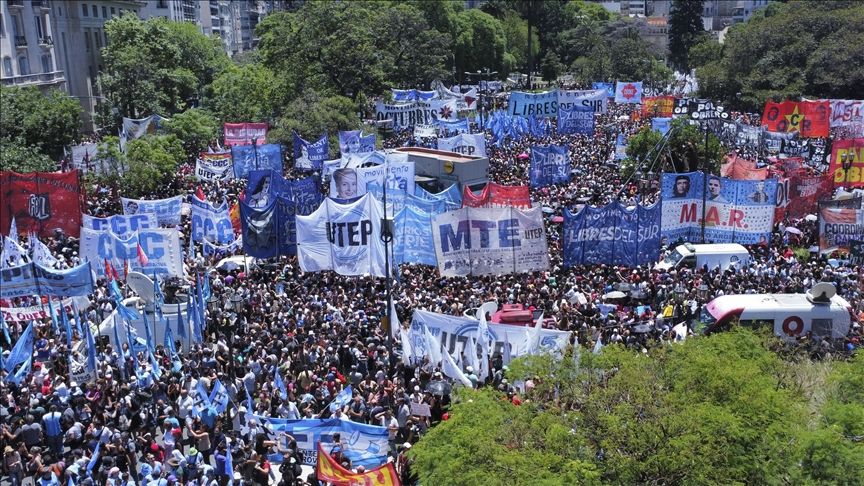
x,y
161,245
290,198
457,126
167,211
736,211
403,95
120,224
34,279
609,87
414,242
452,195
366,445
211,223
576,119
354,142
269,157
539,104
628,92
308,155
549,165
23,349
472,144
620,147
260,237
612,235
661,125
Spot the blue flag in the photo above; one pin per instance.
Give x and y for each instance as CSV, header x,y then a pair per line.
x,y
199,288
207,292
158,297
77,315
5,330
22,372
22,350
168,342
91,349
94,458
121,358
53,316
280,385
131,344
66,327
229,462
192,313
342,399
151,346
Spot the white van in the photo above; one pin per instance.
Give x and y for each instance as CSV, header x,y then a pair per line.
x,y
723,255
790,315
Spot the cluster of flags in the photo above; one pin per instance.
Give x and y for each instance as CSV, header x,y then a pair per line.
x,y
504,126
13,254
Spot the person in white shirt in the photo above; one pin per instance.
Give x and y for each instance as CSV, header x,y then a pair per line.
x,y
386,419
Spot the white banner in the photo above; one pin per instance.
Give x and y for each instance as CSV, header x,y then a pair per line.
x,y
473,144
211,223
596,99
453,332
167,211
490,241
214,167
120,224
345,238
162,247
36,312
425,131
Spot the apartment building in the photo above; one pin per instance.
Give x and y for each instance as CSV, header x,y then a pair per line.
x,y
27,45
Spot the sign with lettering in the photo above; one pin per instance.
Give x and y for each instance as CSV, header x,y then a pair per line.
x,y
167,211
161,245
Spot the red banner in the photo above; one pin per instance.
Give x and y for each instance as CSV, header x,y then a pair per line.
x,y
41,202
742,169
244,133
854,148
808,118
497,196
658,106
327,469
798,195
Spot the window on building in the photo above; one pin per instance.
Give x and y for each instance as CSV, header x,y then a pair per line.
x,y
87,40
46,63
2,30
23,66
95,11
112,11
104,12
97,39
15,28
40,33
59,11
84,10
7,66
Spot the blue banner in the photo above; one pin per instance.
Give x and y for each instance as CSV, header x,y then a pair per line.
x,y
269,157
455,126
291,197
612,235
539,104
414,242
620,147
161,245
167,211
260,230
354,142
34,279
365,445
308,155
452,196
628,92
661,125
609,87
550,165
404,95
211,223
120,223
576,119
736,211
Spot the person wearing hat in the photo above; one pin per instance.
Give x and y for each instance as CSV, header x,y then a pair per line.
x,y
12,465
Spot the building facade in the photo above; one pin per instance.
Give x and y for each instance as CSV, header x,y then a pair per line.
x,y
27,45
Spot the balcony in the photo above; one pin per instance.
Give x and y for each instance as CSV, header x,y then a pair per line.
x,y
43,4
20,42
46,41
40,79
15,4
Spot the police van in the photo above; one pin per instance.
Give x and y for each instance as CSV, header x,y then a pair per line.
x,y
723,255
820,311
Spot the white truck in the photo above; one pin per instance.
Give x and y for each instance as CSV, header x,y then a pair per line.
x,y
723,255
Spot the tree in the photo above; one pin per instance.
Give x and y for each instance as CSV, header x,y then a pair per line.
x,y
516,35
41,123
156,66
684,151
152,163
244,93
685,28
17,156
195,127
479,42
312,115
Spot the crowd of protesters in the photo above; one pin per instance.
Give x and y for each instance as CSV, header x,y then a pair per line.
x,y
324,332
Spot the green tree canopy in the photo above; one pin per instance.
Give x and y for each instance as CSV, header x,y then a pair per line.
x,y
195,127
17,156
685,30
152,163
156,66
311,115
479,43
789,50
244,93
684,151
41,123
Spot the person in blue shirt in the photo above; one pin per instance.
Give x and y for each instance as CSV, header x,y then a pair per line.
x,y
53,430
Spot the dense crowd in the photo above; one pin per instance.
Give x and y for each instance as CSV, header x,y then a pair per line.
x,y
324,332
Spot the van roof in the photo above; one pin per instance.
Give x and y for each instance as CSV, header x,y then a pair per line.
x,y
766,302
717,248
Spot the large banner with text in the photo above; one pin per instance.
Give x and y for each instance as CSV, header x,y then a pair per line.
x,y
612,235
161,245
40,202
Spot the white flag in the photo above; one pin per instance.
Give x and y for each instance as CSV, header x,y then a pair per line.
x,y
41,254
451,370
534,336
433,347
12,255
13,230
406,346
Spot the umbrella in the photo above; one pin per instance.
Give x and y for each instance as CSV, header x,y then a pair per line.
x,y
548,210
557,219
810,217
641,328
793,230
523,155
617,294
440,388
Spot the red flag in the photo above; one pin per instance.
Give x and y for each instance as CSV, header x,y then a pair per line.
x,y
327,469
808,118
199,193
125,269
108,269
142,257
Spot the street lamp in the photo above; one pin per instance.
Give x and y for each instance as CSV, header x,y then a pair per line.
x,y
387,238
481,89
703,291
846,160
680,292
